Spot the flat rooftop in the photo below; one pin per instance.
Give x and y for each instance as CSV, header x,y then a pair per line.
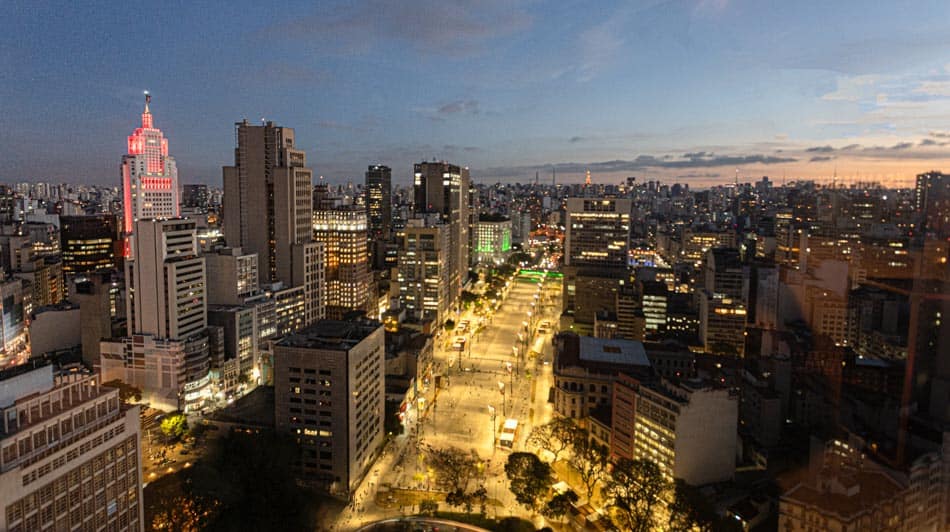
x,y
332,334
613,351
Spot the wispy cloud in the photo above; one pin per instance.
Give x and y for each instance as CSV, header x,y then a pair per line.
x,y
446,110
642,163
435,27
458,106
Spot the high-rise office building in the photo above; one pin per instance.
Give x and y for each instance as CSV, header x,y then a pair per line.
x,y
70,456
268,210
89,243
492,239
232,276
166,285
169,352
149,176
267,198
329,395
932,201
596,243
423,269
597,232
443,188
379,201
348,278
195,197
379,211
722,313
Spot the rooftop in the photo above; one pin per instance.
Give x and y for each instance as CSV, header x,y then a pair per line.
x,y
601,355
613,351
332,334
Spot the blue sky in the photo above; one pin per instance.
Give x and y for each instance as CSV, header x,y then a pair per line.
x,y
686,90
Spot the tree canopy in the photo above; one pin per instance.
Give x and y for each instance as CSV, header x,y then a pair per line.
x,y
529,478
175,425
556,436
634,490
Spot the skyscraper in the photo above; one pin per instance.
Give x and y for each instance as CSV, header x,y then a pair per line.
x,y
267,198
379,201
443,188
149,176
88,243
423,269
169,352
166,280
932,201
596,243
268,210
342,232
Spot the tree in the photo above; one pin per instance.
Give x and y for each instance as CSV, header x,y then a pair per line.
x,y
559,505
127,392
468,500
556,436
449,325
175,426
454,467
185,514
590,461
634,490
428,507
529,478
689,510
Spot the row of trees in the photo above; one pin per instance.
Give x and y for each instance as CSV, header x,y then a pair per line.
x,y
635,491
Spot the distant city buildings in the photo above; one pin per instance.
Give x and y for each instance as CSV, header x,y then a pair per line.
x,y
492,240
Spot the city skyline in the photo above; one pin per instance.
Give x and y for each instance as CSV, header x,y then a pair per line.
x,y
800,91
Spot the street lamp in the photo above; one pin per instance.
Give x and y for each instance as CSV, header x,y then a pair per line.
x,y
491,412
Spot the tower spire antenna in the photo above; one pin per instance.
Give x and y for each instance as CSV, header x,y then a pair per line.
x,y
147,114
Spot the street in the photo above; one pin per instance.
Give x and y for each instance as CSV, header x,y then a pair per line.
x,y
495,377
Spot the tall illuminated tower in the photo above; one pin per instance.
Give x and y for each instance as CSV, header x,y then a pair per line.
x,y
149,176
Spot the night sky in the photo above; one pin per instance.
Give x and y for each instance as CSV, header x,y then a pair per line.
x,y
686,90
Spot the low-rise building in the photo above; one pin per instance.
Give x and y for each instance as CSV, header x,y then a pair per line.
x,y
689,428
585,369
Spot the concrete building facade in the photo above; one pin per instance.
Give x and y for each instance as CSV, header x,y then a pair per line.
x,y
70,454
330,396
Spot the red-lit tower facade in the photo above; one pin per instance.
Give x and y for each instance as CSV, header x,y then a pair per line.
x,y
149,177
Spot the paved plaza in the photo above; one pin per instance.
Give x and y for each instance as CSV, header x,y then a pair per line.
x,y
459,414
